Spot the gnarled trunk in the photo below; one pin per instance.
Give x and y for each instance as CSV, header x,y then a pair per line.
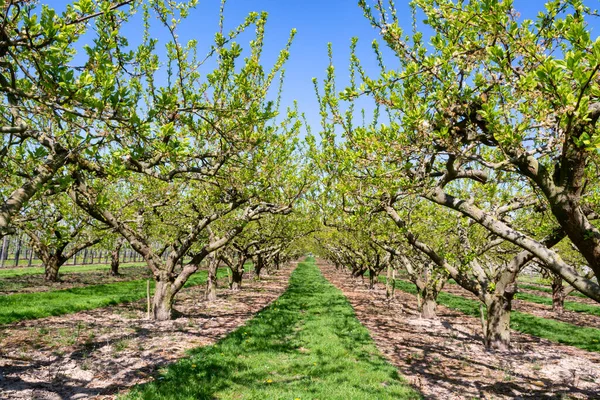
x,y
372,276
51,267
426,299
497,329
235,282
558,295
162,305
429,305
260,263
211,283
114,258
390,282
277,261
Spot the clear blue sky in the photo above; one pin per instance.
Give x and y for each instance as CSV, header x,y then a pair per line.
x,y
317,22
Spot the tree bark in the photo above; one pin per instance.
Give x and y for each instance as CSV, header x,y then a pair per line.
x,y
236,278
162,305
558,295
277,261
211,283
4,251
51,267
497,332
18,251
30,260
114,261
390,282
372,276
260,263
429,306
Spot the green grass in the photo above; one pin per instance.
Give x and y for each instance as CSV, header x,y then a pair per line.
x,y
569,305
549,290
17,307
556,331
306,345
10,272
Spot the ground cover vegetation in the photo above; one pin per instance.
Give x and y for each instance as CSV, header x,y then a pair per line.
x,y
20,306
307,344
473,162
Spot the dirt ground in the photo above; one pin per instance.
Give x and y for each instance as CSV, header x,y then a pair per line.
x,y
445,358
100,353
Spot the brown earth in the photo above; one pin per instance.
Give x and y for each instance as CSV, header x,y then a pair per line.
x,y
445,358
100,353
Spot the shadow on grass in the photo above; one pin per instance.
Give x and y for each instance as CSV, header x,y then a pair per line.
x,y
307,344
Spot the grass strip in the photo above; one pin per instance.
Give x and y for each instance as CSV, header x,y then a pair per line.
x,y
549,290
306,345
17,307
556,331
10,272
545,290
569,305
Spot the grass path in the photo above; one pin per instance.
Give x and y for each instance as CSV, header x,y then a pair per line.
x,y
549,290
556,331
10,272
306,345
569,305
539,299
17,307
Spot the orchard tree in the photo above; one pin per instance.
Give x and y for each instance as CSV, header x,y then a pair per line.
x,y
58,230
487,98
57,94
207,151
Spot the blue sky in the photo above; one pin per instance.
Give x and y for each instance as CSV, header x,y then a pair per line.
x,y
317,22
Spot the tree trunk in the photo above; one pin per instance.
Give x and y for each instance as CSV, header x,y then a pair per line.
x,y
372,277
51,267
114,263
558,295
497,332
162,306
18,251
85,255
389,283
260,263
277,261
429,304
114,260
3,254
236,278
211,282
30,261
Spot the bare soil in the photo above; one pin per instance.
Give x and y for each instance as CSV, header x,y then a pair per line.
x,y
36,283
100,353
445,358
